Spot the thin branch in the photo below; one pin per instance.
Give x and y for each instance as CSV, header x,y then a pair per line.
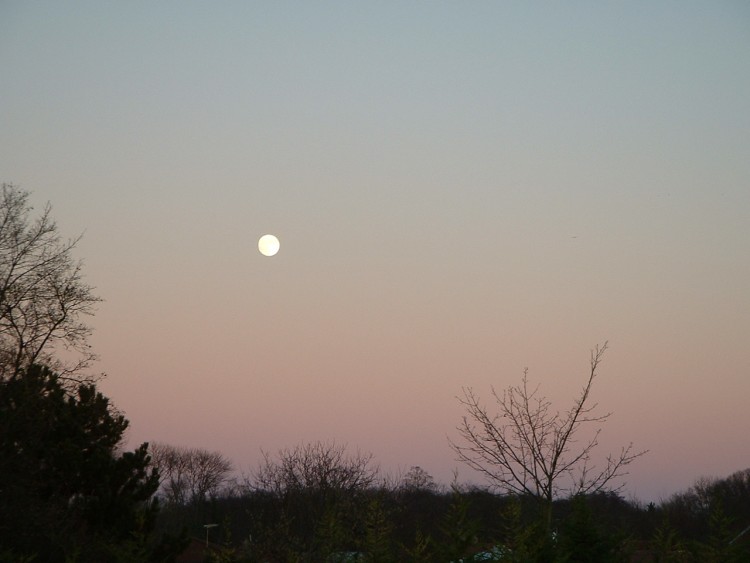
x,y
527,449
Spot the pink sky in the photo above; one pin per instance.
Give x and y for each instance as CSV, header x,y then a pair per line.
x,y
460,191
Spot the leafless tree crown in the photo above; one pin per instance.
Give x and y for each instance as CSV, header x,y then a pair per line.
x,y
318,466
43,298
527,448
417,479
189,475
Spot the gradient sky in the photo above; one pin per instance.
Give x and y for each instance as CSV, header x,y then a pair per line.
x,y
461,190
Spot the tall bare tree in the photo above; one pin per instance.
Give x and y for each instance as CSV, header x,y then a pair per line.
x,y
189,475
43,298
527,448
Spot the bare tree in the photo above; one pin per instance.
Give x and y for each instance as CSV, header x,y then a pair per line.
x,y
43,298
319,497
171,463
189,475
317,466
208,471
528,449
417,479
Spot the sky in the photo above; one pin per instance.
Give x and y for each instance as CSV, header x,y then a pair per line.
x,y
461,191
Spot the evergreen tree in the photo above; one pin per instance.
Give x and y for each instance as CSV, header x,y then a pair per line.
x,y
460,531
719,547
66,491
581,539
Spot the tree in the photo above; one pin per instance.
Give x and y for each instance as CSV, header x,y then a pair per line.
x,y
417,479
67,491
43,298
528,449
318,466
582,539
189,475
319,497
460,531
714,514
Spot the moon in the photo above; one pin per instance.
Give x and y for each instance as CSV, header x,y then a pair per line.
x,y
268,245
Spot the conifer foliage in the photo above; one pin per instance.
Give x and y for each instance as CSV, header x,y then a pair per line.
x,y
67,491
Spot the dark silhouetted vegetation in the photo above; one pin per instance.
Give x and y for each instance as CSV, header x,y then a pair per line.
x,y
527,448
43,298
189,475
385,521
67,492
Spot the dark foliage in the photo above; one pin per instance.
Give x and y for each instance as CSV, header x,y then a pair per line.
x,y
65,490
711,520
384,524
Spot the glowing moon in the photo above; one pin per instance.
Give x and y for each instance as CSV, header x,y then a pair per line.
x,y
268,245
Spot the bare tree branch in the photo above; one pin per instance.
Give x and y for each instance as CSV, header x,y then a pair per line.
x,y
43,298
189,475
318,466
527,449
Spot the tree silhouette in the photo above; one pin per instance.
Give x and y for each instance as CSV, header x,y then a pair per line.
x,y
189,475
66,489
528,449
43,299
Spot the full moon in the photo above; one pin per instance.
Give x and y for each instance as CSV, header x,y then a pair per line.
x,y
268,245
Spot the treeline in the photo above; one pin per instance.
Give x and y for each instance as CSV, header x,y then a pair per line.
x,y
318,502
